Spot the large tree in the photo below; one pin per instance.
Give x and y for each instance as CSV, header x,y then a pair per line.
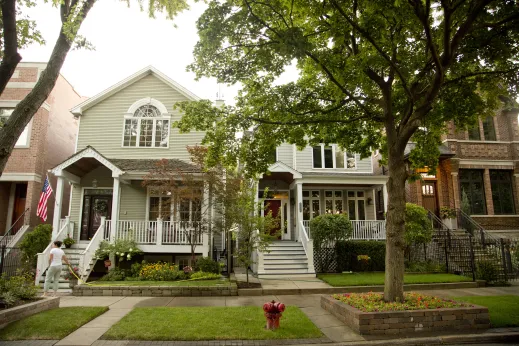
x,y
16,32
372,74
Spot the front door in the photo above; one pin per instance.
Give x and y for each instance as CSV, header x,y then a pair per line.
x,y
94,207
274,206
20,195
429,196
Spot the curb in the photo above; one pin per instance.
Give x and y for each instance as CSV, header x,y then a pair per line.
x,y
442,340
352,289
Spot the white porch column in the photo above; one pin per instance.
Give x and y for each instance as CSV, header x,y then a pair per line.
x,y
384,189
115,207
57,206
299,205
159,231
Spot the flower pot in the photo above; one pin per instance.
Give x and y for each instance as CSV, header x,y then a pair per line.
x,y
108,263
68,246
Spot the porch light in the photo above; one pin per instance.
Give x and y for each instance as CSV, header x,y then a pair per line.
x,y
94,183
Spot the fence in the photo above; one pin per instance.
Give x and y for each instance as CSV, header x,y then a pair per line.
x,y
10,261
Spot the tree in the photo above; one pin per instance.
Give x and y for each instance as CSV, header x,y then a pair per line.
x,y
18,33
418,227
372,74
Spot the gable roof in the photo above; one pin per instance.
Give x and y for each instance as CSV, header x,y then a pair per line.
x,y
150,70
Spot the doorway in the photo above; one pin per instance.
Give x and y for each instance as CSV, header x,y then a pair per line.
x,y
429,196
279,209
20,197
96,204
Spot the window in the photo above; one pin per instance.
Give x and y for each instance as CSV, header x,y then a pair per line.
x,y
502,192
471,185
356,205
23,140
167,207
488,129
311,204
333,202
147,127
332,157
160,207
474,133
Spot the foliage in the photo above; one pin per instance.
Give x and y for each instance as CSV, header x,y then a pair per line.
x,y
68,241
486,270
204,276
377,278
136,267
206,264
348,252
35,242
371,75
329,228
114,274
121,249
161,272
425,267
16,288
447,213
374,302
418,227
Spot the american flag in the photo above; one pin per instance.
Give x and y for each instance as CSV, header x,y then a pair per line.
x,y
42,204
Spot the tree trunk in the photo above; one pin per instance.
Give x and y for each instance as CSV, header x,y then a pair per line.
x,y
395,226
11,57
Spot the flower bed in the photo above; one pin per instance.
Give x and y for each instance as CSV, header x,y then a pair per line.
x,y
367,313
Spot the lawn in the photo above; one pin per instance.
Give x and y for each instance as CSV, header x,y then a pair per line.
x,y
163,283
368,279
209,323
52,324
504,310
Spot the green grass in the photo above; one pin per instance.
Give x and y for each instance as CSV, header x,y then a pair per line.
x,y
210,323
52,324
163,283
504,310
368,279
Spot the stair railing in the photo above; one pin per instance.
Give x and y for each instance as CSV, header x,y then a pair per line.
x,y
15,227
471,226
43,257
89,253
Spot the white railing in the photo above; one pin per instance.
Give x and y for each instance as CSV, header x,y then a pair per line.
x,y
362,229
308,246
178,232
43,257
144,232
88,254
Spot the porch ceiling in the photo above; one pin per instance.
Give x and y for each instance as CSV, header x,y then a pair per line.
x,y
83,166
284,176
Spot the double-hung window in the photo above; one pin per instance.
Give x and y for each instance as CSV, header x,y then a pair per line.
x,y
332,157
147,127
23,140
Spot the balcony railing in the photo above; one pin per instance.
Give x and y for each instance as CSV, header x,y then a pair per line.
x,y
362,229
156,232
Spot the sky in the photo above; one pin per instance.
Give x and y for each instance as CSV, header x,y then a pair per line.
x,y
126,40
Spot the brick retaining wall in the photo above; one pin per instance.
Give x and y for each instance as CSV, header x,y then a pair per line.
x,y
156,291
407,322
26,310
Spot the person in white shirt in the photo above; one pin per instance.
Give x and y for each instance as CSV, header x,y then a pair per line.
x,y
55,266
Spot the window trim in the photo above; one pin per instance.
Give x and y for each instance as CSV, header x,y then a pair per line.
x,y
509,184
27,129
130,115
334,151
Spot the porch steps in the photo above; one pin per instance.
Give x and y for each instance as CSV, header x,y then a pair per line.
x,y
73,254
285,258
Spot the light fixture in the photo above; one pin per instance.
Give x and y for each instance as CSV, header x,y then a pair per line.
x,y
94,183
370,201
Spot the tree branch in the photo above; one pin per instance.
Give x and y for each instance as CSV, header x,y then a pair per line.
x,y
307,122
450,81
11,57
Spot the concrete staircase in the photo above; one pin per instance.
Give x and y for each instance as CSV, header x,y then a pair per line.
x,y
285,259
73,254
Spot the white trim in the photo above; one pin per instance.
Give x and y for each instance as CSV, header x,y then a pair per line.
x,y
145,101
27,143
77,134
91,153
10,207
16,74
79,109
20,177
20,85
32,64
505,215
487,162
335,148
477,142
355,180
83,188
280,167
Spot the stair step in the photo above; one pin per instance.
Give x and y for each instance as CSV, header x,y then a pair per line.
x,y
285,243
285,270
285,261
281,276
276,266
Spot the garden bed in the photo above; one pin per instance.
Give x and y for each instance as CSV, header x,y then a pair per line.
x,y
377,278
418,314
210,323
25,310
159,289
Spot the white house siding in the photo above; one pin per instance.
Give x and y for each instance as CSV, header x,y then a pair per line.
x,y
102,125
285,154
133,201
304,163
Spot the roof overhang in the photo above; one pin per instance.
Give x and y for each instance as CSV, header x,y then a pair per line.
x,y
280,167
150,70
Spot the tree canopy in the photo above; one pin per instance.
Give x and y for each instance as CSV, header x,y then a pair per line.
x,y
372,74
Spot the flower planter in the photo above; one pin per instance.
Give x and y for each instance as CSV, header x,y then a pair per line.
x,y
73,283
68,246
408,322
452,224
108,263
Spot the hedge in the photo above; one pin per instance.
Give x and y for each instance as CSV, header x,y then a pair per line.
x,y
347,252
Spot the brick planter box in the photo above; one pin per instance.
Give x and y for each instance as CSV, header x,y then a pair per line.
x,y
407,322
26,310
156,291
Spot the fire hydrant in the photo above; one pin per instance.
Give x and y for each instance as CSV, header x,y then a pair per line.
x,y
273,312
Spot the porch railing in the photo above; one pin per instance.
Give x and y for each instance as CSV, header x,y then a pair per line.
x,y
362,229
178,232
13,230
156,232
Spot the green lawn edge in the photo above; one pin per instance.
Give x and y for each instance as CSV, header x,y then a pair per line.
x,y
54,324
209,323
377,279
503,310
190,283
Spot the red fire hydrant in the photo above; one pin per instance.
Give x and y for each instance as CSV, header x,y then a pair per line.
x,y
273,312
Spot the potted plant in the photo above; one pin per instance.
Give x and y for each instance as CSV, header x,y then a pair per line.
x,y
68,242
72,276
449,217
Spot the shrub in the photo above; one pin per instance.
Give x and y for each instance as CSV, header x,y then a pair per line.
x,y
486,270
425,267
68,241
447,213
206,264
35,242
136,269
115,274
204,276
161,272
348,252
122,249
20,287
327,230
418,227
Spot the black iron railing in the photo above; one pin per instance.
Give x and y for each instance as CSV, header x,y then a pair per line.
x,y
13,230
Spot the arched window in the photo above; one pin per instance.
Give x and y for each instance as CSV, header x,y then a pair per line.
x,y
146,125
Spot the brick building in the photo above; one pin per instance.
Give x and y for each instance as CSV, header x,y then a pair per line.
x,y
48,139
481,163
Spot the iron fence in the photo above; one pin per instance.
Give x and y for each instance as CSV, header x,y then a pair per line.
x,y
10,261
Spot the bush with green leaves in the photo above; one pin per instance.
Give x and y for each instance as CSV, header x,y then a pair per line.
x,y
418,227
121,249
17,288
114,274
425,267
486,270
34,243
348,252
326,231
204,276
206,264
162,272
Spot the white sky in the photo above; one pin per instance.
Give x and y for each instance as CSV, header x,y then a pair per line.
x,y
126,40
